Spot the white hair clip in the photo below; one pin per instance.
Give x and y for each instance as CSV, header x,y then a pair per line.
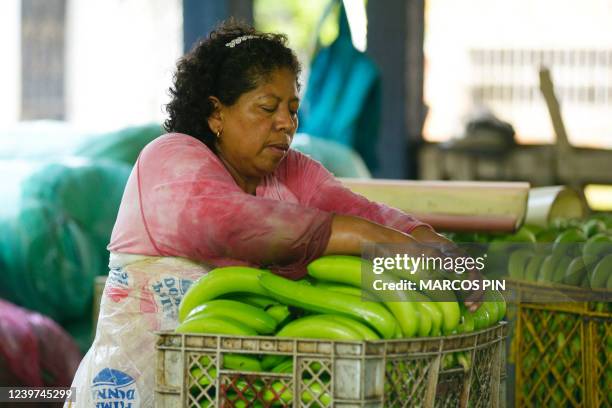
x,y
238,40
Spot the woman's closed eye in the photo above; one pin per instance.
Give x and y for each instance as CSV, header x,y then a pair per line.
x,y
272,109
269,109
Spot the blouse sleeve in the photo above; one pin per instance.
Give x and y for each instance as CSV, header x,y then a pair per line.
x,y
191,207
317,187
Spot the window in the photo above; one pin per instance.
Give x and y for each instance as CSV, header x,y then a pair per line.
x,y
95,64
487,53
42,59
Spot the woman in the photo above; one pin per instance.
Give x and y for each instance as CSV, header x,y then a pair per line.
x,y
222,188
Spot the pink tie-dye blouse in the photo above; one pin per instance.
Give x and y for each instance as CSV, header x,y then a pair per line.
x,y
181,201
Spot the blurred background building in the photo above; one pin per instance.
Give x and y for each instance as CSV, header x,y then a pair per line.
x,y
105,65
434,89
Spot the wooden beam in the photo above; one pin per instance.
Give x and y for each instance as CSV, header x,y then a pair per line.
x,y
452,206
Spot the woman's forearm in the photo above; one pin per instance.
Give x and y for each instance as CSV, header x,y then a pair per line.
x,y
425,234
350,233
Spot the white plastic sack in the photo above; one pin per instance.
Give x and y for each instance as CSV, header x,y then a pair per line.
x,y
139,298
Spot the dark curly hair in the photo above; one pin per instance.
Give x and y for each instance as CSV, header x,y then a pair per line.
x,y
213,69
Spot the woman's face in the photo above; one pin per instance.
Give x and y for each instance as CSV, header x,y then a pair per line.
x,y
258,129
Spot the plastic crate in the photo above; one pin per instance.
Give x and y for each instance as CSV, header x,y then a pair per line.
x,y
562,350
386,373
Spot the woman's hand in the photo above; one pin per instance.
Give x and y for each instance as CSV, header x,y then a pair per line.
x,y
350,233
472,299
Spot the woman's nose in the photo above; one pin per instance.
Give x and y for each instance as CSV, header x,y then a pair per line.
x,y
286,120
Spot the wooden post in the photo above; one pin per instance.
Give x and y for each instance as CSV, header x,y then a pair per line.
x,y
395,42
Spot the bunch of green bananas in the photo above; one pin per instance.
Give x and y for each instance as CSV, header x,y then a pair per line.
x,y
572,252
555,367
328,305
255,391
552,368
604,360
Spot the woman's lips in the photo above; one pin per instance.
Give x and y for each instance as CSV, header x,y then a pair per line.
x,y
278,149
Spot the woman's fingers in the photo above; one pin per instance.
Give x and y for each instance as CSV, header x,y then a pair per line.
x,y
472,306
473,299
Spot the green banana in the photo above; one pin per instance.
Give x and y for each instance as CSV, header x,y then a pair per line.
x,y
600,274
365,331
524,234
251,404
219,282
501,303
337,268
566,243
480,317
430,316
440,298
241,362
448,361
467,321
492,312
319,327
547,269
203,377
215,325
278,313
248,315
546,236
315,390
199,375
250,395
272,360
323,301
281,392
575,272
465,360
595,248
405,309
262,302
533,266
450,315
559,273
490,302
285,367
347,270
518,262
586,283
278,392
593,227
341,288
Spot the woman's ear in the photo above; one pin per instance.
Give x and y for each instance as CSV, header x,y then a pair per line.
x,y
215,120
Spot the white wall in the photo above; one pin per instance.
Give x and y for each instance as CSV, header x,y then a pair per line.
x,y
120,59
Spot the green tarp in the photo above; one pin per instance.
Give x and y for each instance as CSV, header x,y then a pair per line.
x,y
54,231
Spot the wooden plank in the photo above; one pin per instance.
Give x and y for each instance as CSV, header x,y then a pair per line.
x,y
452,206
